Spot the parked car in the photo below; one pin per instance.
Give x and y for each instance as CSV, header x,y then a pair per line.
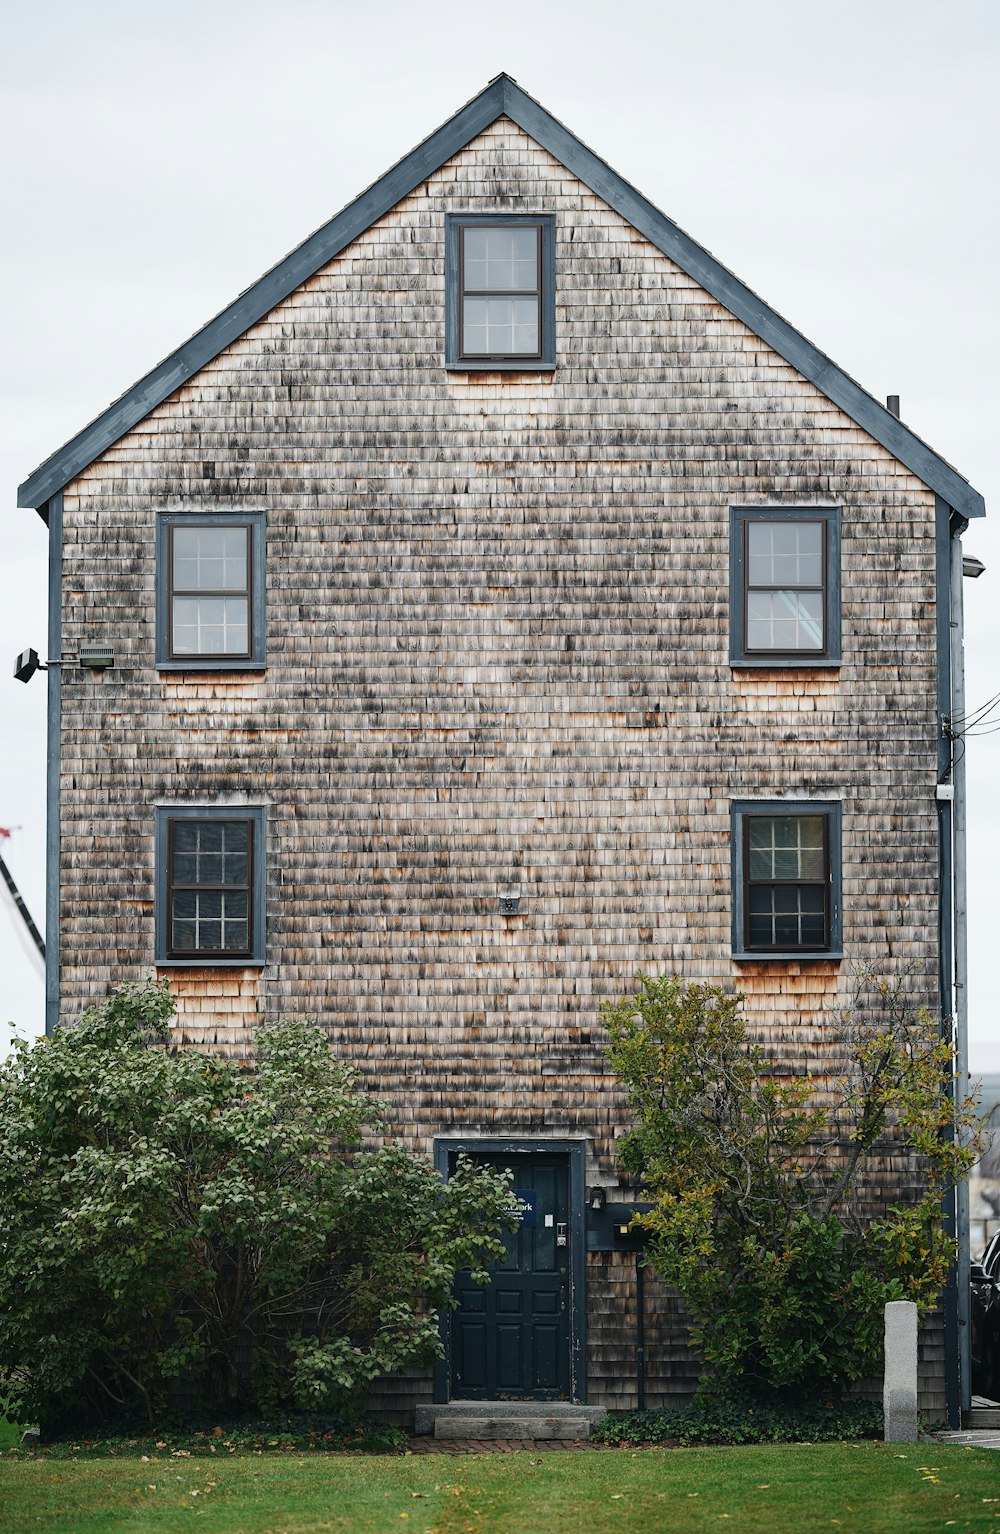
x,y
986,1322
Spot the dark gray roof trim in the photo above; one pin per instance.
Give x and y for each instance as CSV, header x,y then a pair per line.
x,y
501,98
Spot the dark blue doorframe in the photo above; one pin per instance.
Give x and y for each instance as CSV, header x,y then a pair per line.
x,y
445,1150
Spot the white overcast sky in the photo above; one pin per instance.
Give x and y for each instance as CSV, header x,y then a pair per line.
x,y
841,156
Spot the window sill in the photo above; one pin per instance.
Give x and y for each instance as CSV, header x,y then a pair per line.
x,y
527,366
799,955
217,666
786,663
205,962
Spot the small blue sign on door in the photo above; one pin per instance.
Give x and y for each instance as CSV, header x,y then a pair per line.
x,y
529,1207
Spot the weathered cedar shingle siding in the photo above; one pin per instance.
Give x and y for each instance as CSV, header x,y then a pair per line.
x,y
498,655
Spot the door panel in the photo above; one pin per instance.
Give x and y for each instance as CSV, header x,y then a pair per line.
x,y
510,1338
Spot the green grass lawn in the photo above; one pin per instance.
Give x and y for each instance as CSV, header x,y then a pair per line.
x,y
868,1488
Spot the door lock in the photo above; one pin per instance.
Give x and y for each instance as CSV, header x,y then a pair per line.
x,y
561,1237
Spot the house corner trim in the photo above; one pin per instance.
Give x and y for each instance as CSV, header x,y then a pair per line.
x,y
53,766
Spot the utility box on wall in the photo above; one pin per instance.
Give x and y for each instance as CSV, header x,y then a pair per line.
x,y
608,1229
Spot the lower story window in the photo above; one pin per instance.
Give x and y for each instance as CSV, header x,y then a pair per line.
x,y
786,878
210,885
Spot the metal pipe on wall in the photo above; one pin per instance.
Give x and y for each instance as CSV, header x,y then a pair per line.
x,y
962,1275
640,1333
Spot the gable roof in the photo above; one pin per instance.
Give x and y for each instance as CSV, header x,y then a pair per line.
x,y
503,97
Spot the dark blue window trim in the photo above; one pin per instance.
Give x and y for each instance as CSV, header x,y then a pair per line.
x,y
832,809
454,224
168,814
739,516
254,520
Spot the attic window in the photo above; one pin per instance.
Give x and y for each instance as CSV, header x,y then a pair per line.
x,y
500,293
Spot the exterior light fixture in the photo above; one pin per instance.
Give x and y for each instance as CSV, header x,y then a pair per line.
x,y
509,902
94,657
972,567
26,665
97,657
596,1198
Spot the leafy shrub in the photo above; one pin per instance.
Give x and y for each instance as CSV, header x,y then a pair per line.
x,y
768,1213
298,1431
10,1434
736,1422
170,1217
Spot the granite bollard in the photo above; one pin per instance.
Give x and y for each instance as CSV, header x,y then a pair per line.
x,y
899,1391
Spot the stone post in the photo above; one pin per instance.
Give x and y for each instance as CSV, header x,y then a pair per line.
x,y
899,1392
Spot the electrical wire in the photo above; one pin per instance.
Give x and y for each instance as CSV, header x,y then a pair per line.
x,y
957,726
990,702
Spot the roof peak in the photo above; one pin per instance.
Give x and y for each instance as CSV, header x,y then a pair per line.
x,y
501,97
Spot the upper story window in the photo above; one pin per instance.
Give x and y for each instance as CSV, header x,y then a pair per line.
x,y
786,879
210,885
784,599
210,591
501,292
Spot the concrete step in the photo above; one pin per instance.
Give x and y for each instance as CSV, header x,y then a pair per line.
x,y
981,1417
508,1419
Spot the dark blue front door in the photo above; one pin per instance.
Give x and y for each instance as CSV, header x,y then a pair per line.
x,y
510,1338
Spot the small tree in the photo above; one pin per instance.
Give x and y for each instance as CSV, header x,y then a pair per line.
x,y
767,1208
169,1215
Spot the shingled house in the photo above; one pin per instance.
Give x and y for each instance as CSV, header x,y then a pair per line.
x,y
503,601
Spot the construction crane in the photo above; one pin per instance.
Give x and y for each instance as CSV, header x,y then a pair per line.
x,y
22,919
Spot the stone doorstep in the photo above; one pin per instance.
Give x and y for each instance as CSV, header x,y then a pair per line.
x,y
981,1417
512,1427
451,1447
508,1419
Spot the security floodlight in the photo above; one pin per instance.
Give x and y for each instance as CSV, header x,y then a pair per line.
x,y
26,665
97,657
93,657
972,567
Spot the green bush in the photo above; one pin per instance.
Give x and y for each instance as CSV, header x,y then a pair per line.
x,y
768,1213
738,1422
10,1434
298,1431
169,1218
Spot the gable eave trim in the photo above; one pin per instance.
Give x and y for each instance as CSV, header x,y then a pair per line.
x,y
741,301
501,98
257,301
